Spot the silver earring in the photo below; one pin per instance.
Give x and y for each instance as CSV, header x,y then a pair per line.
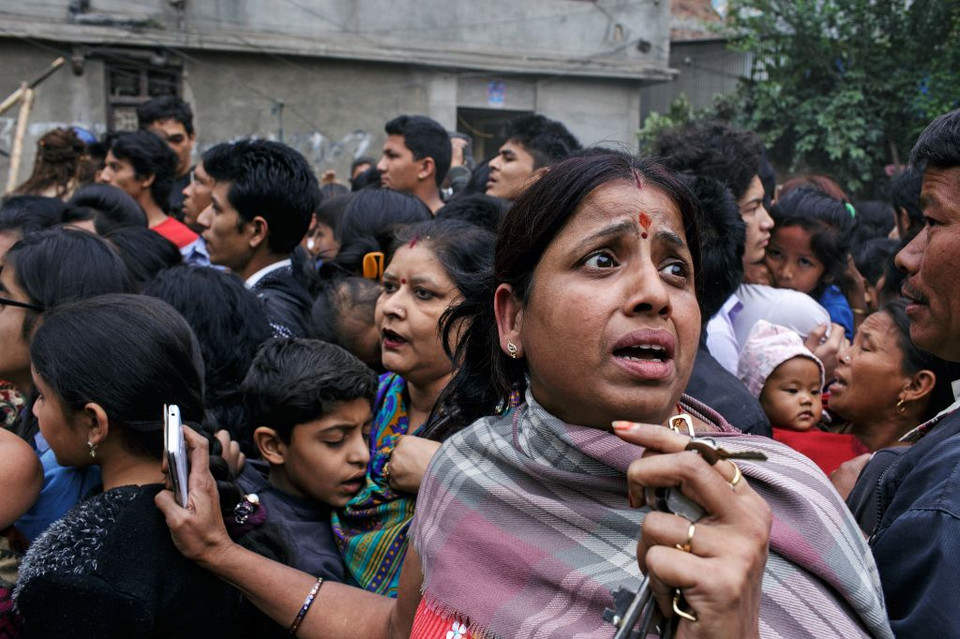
x,y
93,449
512,349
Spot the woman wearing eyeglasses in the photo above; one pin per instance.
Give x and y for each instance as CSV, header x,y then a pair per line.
x,y
42,271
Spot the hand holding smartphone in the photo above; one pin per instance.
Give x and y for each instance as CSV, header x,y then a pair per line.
x,y
176,451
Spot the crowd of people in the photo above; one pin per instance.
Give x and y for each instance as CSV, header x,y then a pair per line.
x,y
457,397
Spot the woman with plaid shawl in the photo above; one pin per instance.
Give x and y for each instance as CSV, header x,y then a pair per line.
x,y
525,521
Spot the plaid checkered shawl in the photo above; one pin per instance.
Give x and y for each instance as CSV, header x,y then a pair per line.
x,y
523,529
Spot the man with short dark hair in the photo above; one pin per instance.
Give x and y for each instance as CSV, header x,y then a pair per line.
x,y
416,158
534,143
172,119
263,196
142,165
916,493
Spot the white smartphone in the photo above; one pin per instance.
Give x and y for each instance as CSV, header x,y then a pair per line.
x,y
176,451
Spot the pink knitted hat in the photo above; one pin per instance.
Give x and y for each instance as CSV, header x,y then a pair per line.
x,y
767,346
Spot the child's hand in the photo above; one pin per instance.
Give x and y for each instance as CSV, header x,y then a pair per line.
x,y
231,452
408,462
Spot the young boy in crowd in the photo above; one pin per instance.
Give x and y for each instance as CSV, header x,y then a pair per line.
x,y
311,406
788,380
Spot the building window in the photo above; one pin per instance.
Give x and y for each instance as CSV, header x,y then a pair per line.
x,y
131,81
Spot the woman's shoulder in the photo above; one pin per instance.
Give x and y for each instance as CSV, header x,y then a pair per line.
x,y
75,542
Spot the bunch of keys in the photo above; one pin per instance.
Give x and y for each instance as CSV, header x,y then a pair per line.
x,y
631,608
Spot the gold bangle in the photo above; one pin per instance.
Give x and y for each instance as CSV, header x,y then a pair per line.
x,y
305,607
858,311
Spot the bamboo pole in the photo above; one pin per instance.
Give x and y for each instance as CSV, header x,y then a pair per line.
x,y
17,150
15,97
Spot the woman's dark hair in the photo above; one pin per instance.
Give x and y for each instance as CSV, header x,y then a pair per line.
x,y
916,360
723,236
110,207
466,254
830,225
229,323
131,354
63,265
332,190
875,220
144,252
331,212
485,377
56,267
872,256
478,209
368,224
28,214
818,182
368,179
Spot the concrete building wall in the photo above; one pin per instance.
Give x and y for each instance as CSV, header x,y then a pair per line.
x,y
342,68
707,68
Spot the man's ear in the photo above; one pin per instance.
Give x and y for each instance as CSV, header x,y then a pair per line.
x,y
147,182
258,229
428,168
272,449
94,420
509,313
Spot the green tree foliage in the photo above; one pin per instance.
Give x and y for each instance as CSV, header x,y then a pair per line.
x,y
844,87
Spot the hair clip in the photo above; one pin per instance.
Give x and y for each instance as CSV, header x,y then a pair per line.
x,y
248,514
373,266
853,211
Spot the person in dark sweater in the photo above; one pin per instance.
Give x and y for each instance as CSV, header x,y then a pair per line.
x,y
311,403
104,368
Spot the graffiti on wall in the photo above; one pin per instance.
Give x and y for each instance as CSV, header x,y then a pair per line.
x,y
322,151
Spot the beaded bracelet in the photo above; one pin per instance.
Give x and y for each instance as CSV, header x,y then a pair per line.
x,y
305,607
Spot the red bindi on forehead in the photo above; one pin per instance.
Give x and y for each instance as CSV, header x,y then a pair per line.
x,y
403,280
645,222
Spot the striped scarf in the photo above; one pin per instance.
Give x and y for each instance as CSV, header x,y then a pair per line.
x,y
371,531
523,530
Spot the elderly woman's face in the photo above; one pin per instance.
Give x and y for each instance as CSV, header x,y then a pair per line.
x,y
869,376
611,326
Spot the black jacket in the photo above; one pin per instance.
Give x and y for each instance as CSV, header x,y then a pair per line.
x,y
286,302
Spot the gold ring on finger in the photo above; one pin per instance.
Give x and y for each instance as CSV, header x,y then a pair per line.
x,y
737,476
685,546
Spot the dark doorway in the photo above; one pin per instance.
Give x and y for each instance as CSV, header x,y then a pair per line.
x,y
484,126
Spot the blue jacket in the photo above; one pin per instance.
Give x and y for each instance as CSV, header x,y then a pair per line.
x,y
917,541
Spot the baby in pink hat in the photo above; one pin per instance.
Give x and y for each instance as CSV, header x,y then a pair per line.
x,y
786,377
778,369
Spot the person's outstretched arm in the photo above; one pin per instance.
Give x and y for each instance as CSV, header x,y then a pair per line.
x,y
279,591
